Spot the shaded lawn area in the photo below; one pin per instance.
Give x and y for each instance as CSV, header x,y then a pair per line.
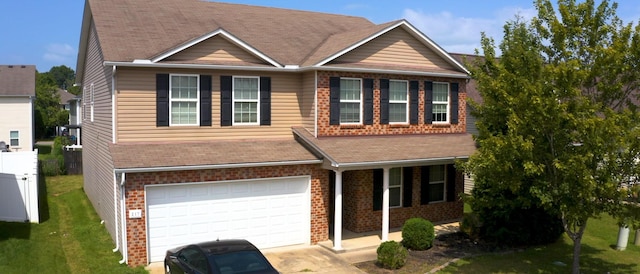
x,y
69,239
598,255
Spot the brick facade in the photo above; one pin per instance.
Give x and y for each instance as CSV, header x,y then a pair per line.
x,y
135,198
358,203
325,129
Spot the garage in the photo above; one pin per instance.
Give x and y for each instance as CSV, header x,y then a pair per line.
x,y
268,212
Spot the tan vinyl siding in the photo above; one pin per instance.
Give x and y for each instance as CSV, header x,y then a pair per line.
x,y
397,47
136,108
215,50
96,135
16,114
308,102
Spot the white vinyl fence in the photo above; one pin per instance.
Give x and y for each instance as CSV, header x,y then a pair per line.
x,y
19,186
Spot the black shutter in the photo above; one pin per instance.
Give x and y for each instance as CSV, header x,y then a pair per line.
x,y
368,101
413,102
205,100
334,100
451,183
428,102
226,115
377,189
454,103
424,185
265,101
384,101
162,100
407,186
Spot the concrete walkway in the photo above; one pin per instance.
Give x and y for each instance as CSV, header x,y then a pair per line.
x,y
321,258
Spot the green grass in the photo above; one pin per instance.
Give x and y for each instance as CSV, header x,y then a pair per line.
x,y
598,255
69,239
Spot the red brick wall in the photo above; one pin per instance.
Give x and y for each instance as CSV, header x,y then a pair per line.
x,y
135,198
358,206
324,129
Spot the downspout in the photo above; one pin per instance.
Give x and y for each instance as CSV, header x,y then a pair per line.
x,y
122,222
113,105
115,211
315,102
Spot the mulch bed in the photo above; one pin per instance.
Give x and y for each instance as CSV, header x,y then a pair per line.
x,y
445,248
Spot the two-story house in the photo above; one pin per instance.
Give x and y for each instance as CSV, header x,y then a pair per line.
x,y
17,99
205,120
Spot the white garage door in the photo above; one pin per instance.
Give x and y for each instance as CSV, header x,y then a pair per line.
x,y
268,213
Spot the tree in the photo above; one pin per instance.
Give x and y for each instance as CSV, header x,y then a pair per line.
x,y
558,127
64,76
48,112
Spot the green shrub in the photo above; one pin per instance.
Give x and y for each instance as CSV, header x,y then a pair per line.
x,y
417,234
59,143
471,225
392,255
52,165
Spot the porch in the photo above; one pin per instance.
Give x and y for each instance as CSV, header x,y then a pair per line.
x,y
361,247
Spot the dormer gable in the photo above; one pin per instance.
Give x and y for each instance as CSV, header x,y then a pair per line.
x,y
216,48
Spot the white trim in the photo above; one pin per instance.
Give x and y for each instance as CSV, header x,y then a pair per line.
x,y
405,102
185,100
223,166
114,117
315,104
448,108
385,204
337,213
273,69
233,102
225,35
359,101
92,99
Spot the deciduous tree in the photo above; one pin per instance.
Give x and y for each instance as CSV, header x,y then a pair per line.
x,y
558,127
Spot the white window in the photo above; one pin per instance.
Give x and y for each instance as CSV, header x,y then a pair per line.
x,y
14,138
91,94
183,99
398,101
395,187
436,183
350,101
246,100
440,102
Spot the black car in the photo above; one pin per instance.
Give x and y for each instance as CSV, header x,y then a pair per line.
x,y
217,257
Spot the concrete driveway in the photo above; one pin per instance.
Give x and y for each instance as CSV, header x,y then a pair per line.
x,y
296,259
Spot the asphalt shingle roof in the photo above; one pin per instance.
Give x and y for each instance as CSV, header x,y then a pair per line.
x,y
17,80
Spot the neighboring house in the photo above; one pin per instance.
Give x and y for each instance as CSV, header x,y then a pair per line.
x,y
206,120
17,98
72,103
474,95
19,166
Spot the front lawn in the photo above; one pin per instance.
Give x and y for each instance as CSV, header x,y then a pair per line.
x,y
598,255
69,239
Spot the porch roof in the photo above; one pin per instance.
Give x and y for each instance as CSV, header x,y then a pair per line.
x,y
359,152
146,157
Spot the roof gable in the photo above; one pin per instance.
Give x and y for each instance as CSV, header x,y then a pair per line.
x,y
17,80
217,48
398,45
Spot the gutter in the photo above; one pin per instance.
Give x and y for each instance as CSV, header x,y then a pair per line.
x,y
395,163
223,166
149,64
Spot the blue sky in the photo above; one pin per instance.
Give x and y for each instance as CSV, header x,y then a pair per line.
x,y
46,33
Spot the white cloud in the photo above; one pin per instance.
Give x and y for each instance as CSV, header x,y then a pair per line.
x,y
355,6
59,53
462,34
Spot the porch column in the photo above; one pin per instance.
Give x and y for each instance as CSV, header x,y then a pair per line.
x,y
337,220
385,204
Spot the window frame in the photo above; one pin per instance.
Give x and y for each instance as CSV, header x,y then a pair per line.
x,y
185,100
234,101
360,101
446,103
399,187
17,139
443,182
405,102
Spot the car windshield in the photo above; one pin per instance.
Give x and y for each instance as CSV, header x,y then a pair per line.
x,y
247,261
